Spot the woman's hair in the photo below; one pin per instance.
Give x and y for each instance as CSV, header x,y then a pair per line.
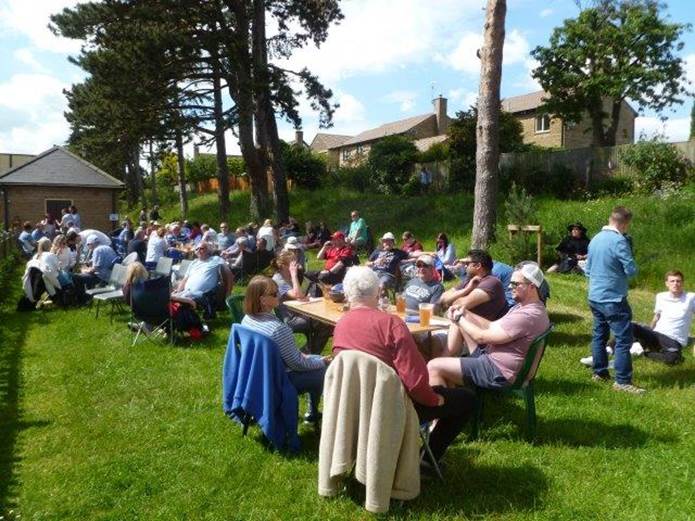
x,y
360,284
136,272
283,259
58,242
43,246
443,239
258,286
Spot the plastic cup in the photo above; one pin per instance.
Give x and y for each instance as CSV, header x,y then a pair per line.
x,y
400,303
425,313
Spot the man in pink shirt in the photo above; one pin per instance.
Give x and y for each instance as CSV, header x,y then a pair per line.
x,y
503,343
385,336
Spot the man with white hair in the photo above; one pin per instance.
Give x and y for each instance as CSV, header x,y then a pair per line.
x,y
367,329
502,343
102,259
386,261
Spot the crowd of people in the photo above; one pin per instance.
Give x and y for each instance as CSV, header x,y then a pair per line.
x,y
494,311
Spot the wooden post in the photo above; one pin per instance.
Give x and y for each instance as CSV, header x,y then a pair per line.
x,y
530,228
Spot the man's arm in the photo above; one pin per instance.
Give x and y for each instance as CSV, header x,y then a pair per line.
x,y
656,318
473,299
492,334
624,254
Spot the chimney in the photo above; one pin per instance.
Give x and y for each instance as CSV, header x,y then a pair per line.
x,y
299,138
440,112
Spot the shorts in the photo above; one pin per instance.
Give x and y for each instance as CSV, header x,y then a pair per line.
x,y
482,372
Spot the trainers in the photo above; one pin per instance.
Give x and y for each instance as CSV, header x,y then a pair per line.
x,y
603,378
628,388
636,349
587,361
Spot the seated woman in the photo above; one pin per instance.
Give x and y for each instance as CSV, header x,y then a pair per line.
x,y
66,259
48,263
572,250
135,273
306,372
286,277
365,328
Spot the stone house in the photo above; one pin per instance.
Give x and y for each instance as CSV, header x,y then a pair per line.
x,y
355,150
8,161
327,145
53,180
546,130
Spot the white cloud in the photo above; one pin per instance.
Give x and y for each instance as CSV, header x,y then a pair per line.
x,y
38,102
31,19
405,99
377,35
527,82
546,12
26,57
675,129
351,110
464,56
463,98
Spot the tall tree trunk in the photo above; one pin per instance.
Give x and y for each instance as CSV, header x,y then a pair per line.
x,y
240,84
181,160
153,176
221,147
487,128
265,116
137,173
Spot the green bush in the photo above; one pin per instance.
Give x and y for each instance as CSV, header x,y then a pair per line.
x,y
392,159
304,168
461,174
520,209
656,165
611,186
359,178
437,152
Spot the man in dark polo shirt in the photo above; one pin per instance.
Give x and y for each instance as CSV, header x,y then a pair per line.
x,y
481,294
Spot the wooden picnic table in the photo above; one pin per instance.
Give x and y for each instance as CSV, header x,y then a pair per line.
x,y
329,312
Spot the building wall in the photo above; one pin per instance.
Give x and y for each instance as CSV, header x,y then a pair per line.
x,y
8,161
579,136
551,138
28,203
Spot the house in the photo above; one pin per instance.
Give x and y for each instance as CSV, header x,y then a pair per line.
x,y
8,161
545,130
53,180
326,144
423,127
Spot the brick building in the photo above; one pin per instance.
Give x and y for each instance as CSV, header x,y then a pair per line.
x,y
546,130
53,180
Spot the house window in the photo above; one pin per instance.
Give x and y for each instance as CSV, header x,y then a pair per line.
x,y
360,150
54,206
542,123
346,154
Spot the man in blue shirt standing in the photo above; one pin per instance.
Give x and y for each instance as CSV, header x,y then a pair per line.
x,y
609,266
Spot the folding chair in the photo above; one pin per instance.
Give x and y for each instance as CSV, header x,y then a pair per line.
x,y
114,297
163,267
182,269
149,304
234,306
521,387
118,273
425,438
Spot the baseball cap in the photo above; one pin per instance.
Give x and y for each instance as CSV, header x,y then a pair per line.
x,y
425,259
292,243
532,273
388,236
338,235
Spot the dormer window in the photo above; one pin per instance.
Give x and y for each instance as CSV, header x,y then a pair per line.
x,y
542,123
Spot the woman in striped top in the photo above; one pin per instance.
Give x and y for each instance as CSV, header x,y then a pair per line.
x,y
306,372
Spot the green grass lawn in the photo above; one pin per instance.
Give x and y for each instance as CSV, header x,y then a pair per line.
x,y
91,428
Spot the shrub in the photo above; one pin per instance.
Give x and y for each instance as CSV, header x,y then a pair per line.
x,y
304,168
392,159
519,208
656,165
200,168
359,178
611,186
437,152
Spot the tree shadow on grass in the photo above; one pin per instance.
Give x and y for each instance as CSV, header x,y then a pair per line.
x,y
564,318
558,338
561,387
678,377
576,432
13,329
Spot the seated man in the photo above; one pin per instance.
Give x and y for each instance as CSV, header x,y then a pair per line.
x,y
98,271
502,344
225,238
572,250
357,236
481,293
138,245
203,278
425,288
386,261
386,337
338,256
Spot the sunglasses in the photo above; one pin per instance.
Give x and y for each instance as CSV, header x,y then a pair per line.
x,y
420,265
514,284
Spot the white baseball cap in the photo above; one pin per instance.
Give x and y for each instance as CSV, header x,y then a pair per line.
x,y
388,236
292,243
533,274
92,239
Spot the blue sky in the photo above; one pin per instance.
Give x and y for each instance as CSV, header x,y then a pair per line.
x,y
384,62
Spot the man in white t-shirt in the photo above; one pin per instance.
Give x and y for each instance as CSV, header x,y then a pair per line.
x,y
668,333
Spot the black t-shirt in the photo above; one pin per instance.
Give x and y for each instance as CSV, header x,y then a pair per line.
x,y
140,247
387,260
573,246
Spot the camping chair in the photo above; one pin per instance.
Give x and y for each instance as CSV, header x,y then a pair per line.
x,y
149,304
256,388
118,273
182,269
233,303
163,267
115,297
521,387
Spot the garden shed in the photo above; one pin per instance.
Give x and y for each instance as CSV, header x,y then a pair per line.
x,y
53,180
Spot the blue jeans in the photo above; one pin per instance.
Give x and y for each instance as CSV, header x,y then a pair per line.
x,y
612,317
310,382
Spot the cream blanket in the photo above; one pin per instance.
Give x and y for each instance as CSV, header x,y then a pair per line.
x,y
369,422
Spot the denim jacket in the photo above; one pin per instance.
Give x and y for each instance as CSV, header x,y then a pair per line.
x,y
609,266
